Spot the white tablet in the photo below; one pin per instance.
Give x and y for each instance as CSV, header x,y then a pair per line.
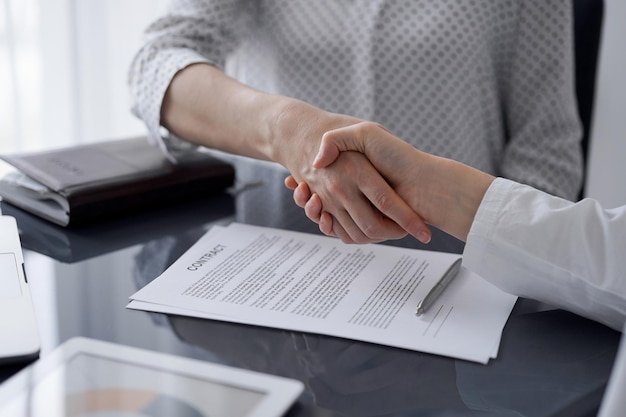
x,y
86,377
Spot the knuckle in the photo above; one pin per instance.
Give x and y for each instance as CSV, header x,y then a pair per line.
x,y
346,240
383,202
371,232
364,128
360,240
367,124
335,186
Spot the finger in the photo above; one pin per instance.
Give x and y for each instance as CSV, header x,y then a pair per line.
x,y
347,231
326,224
357,137
302,194
291,183
371,226
313,208
364,217
331,227
353,210
345,228
331,145
364,224
347,138
387,201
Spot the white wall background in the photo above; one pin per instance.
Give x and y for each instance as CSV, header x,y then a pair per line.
x,y
63,66
607,176
100,39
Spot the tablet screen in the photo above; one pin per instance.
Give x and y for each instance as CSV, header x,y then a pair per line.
x,y
97,386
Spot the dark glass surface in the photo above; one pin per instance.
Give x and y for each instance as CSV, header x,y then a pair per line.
x,y
550,362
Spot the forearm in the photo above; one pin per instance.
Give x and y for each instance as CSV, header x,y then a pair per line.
x,y
453,194
206,107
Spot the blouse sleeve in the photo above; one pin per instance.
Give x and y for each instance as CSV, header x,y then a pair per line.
x,y
192,31
534,245
544,129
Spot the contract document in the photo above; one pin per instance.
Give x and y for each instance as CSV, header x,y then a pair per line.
x,y
312,283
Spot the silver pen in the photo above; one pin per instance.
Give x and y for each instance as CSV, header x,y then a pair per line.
x,y
438,288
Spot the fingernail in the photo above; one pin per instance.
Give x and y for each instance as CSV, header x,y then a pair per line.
x,y
423,237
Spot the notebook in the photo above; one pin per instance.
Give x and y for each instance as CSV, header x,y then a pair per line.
x,y
19,335
88,183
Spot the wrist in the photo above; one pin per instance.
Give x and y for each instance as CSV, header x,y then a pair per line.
x,y
290,126
461,189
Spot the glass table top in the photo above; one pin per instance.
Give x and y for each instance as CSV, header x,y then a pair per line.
x,y
550,362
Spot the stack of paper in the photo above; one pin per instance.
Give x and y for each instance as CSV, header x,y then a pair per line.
x,y
303,282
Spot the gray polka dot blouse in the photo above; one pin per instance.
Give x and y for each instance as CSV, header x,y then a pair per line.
x,y
486,82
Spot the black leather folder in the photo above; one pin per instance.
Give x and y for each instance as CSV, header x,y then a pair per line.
x,y
82,184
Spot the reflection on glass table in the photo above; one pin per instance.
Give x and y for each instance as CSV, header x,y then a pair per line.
x,y
80,243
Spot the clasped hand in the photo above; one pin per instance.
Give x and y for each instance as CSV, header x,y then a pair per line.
x,y
361,190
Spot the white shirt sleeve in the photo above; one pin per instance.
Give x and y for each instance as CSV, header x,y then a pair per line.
x,y
191,32
614,401
570,255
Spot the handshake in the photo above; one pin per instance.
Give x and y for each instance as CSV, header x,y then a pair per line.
x,y
408,191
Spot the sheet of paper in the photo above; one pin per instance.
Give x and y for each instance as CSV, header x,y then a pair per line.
x,y
296,281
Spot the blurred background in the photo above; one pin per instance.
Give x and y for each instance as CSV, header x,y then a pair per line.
x,y
63,66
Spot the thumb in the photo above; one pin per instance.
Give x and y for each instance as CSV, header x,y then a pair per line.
x,y
334,142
